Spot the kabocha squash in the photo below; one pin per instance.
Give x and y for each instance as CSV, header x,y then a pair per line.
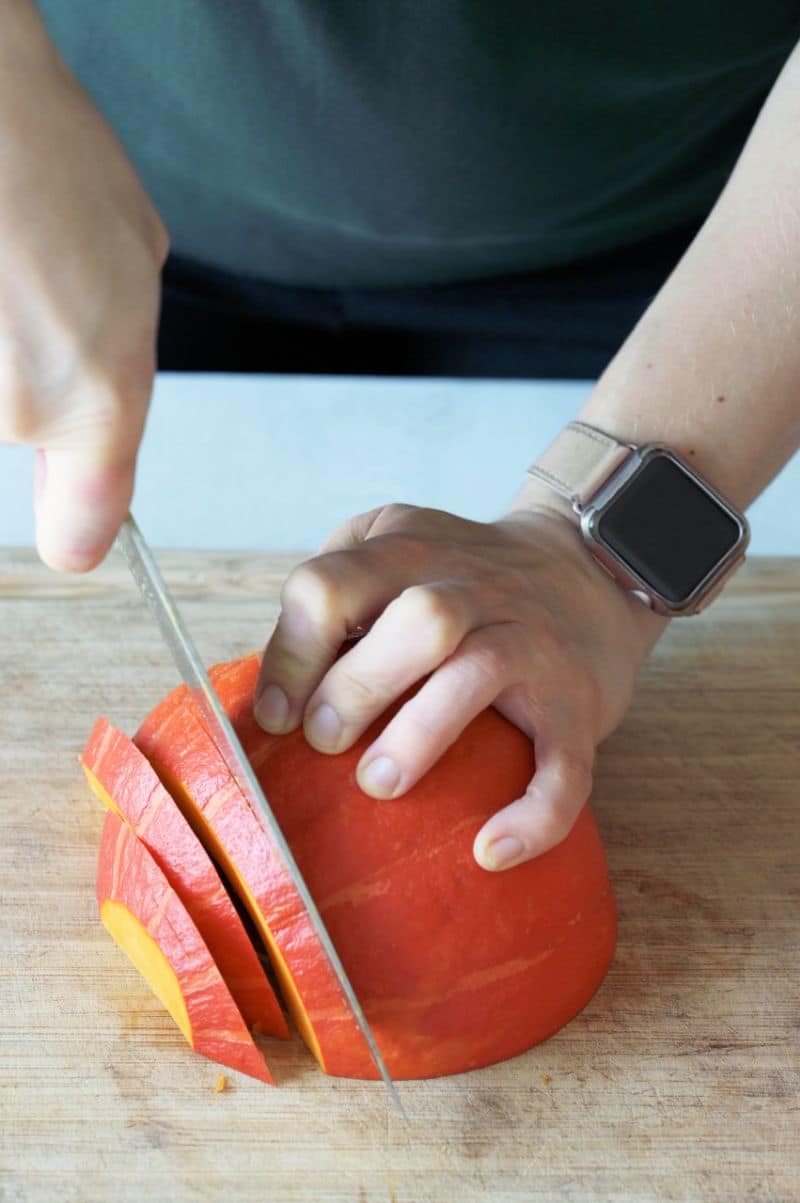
x,y
145,916
456,968
125,782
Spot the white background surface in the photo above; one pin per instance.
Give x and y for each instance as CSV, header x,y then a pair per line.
x,y
278,461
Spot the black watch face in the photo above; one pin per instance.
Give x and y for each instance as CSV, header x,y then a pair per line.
x,y
667,528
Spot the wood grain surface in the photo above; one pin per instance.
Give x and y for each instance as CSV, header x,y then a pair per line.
x,y
680,1081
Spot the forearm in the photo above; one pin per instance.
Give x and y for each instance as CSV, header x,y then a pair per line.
x,y
24,37
713,366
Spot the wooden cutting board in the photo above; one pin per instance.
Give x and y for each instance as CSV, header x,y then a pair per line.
x,y
681,1079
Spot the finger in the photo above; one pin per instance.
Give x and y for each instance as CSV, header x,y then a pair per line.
x,y
419,629
322,601
79,508
547,811
484,665
84,488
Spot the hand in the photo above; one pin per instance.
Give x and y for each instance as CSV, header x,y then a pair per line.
x,y
513,613
81,249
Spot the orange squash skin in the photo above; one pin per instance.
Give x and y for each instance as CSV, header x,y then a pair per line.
x,y
127,874
456,968
130,782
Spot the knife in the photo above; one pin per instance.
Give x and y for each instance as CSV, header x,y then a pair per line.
x,y
153,588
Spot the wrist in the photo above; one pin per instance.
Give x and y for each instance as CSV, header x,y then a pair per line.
x,y
654,524
537,507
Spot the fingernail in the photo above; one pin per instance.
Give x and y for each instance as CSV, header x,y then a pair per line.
x,y
381,777
503,853
323,727
272,709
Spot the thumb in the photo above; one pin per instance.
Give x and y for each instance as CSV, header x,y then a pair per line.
x,y
82,496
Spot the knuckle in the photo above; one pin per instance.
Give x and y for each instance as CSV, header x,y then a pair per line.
x,y
102,420
313,588
347,533
488,663
361,696
392,515
283,661
573,775
433,612
425,725
390,521
425,603
555,822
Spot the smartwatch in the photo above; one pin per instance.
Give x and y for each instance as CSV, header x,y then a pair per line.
x,y
653,522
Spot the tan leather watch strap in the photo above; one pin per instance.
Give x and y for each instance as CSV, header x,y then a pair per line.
x,y
578,461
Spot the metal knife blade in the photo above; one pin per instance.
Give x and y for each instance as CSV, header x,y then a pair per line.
x,y
153,588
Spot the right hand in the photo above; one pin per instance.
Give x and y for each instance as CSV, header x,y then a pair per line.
x,y
81,250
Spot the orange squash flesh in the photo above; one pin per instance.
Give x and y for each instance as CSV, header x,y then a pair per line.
x,y
456,968
150,923
180,749
125,782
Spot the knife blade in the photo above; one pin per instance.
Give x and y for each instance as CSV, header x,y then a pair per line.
x,y
147,575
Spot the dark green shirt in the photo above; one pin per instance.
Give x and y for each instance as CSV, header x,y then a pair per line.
x,y
387,142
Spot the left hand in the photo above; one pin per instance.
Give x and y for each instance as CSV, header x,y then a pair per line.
x,y
513,613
